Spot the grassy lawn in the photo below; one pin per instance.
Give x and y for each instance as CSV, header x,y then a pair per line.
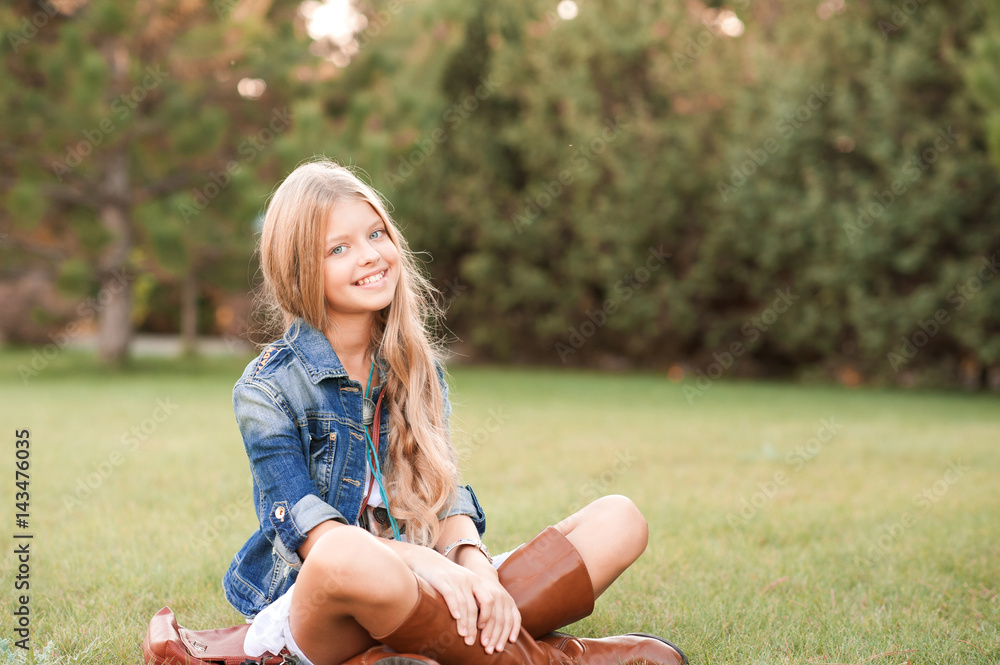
x,y
789,524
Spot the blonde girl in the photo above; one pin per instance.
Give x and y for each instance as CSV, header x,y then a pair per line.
x,y
369,550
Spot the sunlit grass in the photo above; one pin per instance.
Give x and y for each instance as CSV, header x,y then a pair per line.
x,y
774,538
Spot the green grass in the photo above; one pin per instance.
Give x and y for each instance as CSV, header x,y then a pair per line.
x,y
799,578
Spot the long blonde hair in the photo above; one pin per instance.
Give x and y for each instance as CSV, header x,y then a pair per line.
x,y
420,471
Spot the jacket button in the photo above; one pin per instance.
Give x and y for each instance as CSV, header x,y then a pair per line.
x,y
279,512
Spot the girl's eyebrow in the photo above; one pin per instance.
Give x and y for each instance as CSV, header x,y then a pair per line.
x,y
343,236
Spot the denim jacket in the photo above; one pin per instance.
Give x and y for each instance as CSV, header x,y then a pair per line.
x,y
301,420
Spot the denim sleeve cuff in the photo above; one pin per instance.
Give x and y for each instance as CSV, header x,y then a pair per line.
x,y
291,526
466,503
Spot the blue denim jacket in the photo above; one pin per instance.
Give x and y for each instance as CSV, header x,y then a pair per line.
x,y
301,420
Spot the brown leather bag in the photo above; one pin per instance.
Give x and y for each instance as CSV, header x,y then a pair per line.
x,y
166,643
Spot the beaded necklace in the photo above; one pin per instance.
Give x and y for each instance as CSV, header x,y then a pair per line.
x,y
368,416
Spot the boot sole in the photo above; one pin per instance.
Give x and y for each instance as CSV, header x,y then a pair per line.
x,y
400,660
667,642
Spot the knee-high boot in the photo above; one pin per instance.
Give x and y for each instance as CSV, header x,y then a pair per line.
x,y
383,655
430,630
548,580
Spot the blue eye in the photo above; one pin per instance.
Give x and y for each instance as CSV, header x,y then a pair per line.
x,y
336,249
376,233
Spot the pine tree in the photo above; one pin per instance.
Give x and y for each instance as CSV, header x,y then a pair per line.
x,y
126,136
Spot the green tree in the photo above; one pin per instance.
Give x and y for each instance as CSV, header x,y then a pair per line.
x,y
126,136
544,160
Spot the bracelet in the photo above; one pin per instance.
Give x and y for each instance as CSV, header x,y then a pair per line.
x,y
480,545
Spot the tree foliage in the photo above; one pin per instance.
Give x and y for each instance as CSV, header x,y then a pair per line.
x,y
744,187
637,187
128,150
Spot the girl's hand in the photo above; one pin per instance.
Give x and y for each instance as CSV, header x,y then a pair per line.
x,y
499,618
475,598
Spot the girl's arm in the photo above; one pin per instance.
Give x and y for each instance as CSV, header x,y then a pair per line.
x,y
314,534
461,527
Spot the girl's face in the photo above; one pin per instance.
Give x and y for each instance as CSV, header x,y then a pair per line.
x,y
360,262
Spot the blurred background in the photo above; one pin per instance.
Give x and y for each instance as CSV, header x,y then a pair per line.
x,y
754,188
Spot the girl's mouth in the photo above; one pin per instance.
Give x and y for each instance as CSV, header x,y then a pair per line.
x,y
377,277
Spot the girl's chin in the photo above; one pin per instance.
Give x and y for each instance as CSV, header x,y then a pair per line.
x,y
375,302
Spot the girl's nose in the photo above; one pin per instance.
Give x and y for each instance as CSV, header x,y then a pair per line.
x,y
371,254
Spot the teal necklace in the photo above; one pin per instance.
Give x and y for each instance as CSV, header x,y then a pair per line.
x,y
368,416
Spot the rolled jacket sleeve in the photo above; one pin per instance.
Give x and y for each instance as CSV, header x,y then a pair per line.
x,y
466,503
288,501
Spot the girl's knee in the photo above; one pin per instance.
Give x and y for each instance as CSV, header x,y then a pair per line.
x,y
621,513
619,507
343,564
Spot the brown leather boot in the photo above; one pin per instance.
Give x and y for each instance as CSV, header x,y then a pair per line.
x,y
429,629
630,648
383,655
549,582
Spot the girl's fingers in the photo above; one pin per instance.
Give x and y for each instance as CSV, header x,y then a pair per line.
x,y
515,630
451,600
498,614
510,629
471,616
488,622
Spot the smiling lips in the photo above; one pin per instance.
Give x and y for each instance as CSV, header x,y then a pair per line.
x,y
371,279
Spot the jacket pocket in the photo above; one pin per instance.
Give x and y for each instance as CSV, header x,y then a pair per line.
x,y
322,449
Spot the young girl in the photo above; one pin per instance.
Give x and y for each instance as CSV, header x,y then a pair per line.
x,y
368,549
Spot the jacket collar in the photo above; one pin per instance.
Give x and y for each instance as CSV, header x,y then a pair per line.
x,y
317,355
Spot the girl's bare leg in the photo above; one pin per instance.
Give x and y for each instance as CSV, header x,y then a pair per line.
x,y
610,534
350,586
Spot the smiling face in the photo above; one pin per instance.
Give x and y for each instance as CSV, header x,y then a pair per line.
x,y
360,261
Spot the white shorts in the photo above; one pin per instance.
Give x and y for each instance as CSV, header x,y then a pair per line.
x,y
269,630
